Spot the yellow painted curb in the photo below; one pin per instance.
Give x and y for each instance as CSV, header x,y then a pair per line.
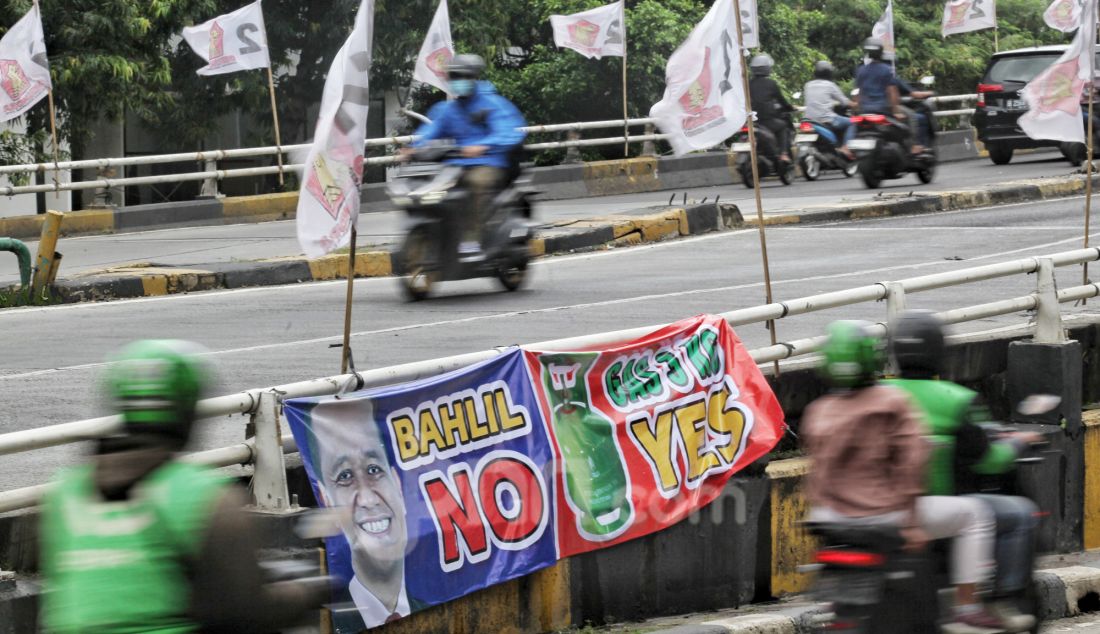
x,y
628,240
1091,421
85,222
21,227
791,546
154,285
770,221
659,225
538,247
370,264
629,176
270,206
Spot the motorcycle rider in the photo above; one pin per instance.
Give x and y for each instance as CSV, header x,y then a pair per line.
x,y
822,97
880,92
487,127
140,540
868,463
965,453
771,107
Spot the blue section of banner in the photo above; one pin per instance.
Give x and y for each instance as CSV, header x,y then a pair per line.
x,y
461,461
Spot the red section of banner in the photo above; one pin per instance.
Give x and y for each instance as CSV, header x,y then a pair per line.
x,y
648,431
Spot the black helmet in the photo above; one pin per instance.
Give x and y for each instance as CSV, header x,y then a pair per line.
x,y
917,344
873,48
761,65
823,69
465,66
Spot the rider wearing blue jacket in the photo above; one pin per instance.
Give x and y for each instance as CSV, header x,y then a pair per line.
x,y
487,128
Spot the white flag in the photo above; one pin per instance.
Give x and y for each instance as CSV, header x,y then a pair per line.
x,y
595,33
231,42
1054,96
704,102
884,30
437,51
963,16
24,69
750,25
1064,15
328,204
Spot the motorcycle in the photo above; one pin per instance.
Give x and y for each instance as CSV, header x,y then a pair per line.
x,y
767,156
882,146
872,584
434,202
817,150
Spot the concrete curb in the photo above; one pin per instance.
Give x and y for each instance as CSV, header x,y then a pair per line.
x,y
1059,591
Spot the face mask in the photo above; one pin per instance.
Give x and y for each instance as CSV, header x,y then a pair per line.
x,y
463,87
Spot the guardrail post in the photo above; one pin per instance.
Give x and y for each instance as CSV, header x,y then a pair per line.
x,y
210,185
1048,317
649,148
895,306
573,153
269,490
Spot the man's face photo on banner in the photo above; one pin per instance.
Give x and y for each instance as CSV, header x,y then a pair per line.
x,y
350,457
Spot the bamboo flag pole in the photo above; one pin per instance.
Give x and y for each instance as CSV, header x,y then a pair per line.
x,y
755,174
1088,145
996,40
626,126
275,118
346,356
53,126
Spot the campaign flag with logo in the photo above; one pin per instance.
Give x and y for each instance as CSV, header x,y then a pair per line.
x,y
1054,95
704,100
884,30
750,25
454,483
437,51
1064,15
24,69
963,16
328,204
232,42
596,33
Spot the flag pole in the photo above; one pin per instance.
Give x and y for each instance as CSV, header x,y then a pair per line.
x,y
1088,145
275,118
53,127
755,174
996,39
626,117
346,356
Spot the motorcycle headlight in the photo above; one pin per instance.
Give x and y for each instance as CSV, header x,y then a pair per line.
x,y
433,198
402,201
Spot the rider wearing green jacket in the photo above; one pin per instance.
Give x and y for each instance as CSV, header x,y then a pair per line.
x,y
966,456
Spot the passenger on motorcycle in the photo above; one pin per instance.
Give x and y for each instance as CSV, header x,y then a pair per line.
x,y
487,127
880,92
771,107
822,98
868,463
965,455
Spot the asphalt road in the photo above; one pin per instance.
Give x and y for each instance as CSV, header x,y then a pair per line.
x,y
52,356
204,245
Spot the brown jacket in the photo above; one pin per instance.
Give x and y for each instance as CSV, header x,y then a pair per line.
x,y
867,452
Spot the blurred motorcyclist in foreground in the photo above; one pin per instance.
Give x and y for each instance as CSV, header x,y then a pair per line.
x,y
880,92
822,98
487,127
868,461
965,455
141,541
773,111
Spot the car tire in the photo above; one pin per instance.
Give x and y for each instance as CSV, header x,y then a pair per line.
x,y
1075,153
1000,153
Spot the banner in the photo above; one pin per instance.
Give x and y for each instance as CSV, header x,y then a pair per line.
x,y
328,204
599,32
1054,96
884,30
704,100
1064,15
750,25
454,483
437,51
963,16
231,42
24,69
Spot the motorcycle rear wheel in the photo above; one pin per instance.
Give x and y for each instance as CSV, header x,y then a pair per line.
x,y
872,178
811,167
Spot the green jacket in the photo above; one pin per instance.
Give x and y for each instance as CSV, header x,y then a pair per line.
x,y
961,450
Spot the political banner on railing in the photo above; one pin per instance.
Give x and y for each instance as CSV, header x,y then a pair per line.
x,y
451,484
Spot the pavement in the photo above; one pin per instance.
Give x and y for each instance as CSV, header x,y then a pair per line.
x,y
1064,583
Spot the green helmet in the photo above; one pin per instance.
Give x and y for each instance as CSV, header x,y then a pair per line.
x,y
155,386
853,354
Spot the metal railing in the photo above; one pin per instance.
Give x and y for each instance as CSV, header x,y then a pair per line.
x,y
266,449
211,174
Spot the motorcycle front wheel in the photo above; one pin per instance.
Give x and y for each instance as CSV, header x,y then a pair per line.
x,y
811,167
416,259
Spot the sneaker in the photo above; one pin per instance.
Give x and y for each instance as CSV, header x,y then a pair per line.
x,y
1013,619
980,618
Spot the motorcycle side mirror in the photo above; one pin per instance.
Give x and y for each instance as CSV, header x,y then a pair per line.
x,y
928,80
855,92
797,95
1037,404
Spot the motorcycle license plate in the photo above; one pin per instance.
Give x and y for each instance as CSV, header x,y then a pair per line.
x,y
861,144
741,147
851,587
805,138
